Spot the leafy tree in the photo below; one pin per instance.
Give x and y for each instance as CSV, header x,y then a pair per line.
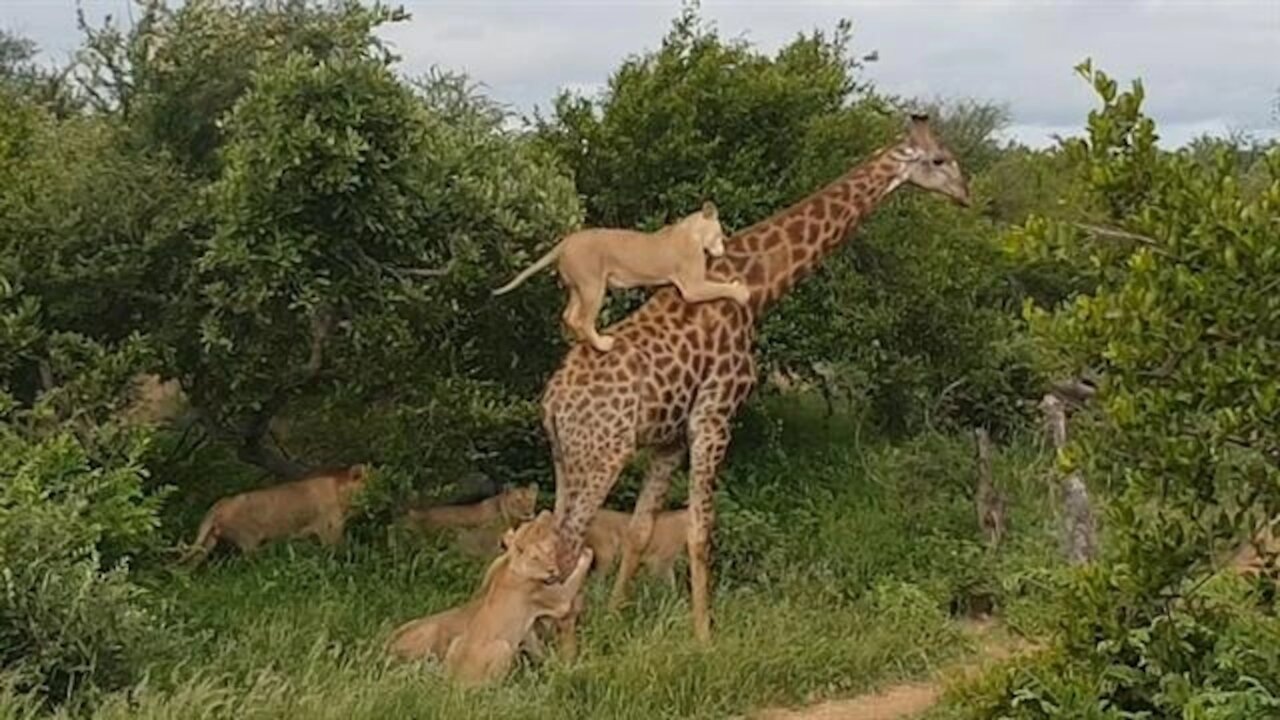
x,y
21,77
1184,325
285,213
912,309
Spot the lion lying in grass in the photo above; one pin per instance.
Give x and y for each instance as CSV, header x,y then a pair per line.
x,y
508,508
592,260
316,505
479,526
1254,556
608,530
478,641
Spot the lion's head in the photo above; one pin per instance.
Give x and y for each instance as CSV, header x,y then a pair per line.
x,y
518,504
531,548
704,226
352,480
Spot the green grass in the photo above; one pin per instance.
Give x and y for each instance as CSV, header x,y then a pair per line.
x,y
836,567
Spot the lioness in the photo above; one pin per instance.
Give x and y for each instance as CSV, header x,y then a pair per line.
x,y
595,259
1253,556
315,505
670,535
508,508
479,640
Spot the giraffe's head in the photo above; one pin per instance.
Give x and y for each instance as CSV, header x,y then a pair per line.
x,y
929,164
704,226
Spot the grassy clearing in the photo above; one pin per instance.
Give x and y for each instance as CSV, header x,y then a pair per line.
x,y
837,567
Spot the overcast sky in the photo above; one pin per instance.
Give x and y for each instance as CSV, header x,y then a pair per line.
x,y
1208,65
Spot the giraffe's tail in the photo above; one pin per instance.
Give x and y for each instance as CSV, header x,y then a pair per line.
x,y
551,256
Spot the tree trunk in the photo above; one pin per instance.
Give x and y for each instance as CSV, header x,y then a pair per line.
x,y
1080,535
989,501
255,451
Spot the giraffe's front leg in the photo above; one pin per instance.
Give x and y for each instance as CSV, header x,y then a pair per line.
x,y
709,439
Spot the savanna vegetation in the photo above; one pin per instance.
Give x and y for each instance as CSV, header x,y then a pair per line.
x,y
248,201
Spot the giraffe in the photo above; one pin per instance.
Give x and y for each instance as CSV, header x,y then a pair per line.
x,y
679,371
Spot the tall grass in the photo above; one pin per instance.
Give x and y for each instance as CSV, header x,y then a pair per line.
x,y
837,564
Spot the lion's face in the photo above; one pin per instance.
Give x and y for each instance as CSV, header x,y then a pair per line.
x,y
358,475
352,481
532,549
519,503
705,228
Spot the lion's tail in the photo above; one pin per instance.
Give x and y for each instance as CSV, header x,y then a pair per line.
x,y
206,538
528,272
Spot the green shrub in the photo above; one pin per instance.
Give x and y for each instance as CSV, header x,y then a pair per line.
x,y
71,620
914,316
1182,325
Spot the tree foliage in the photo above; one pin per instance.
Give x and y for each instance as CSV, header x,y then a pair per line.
x,y
1184,325
912,317
286,212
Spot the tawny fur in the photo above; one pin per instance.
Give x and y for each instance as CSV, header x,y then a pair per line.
x,y
317,505
590,261
429,637
1254,556
607,534
478,641
506,509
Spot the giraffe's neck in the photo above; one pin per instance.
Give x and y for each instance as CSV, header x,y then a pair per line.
x,y
775,254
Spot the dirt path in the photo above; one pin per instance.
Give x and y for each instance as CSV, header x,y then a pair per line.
x,y
908,700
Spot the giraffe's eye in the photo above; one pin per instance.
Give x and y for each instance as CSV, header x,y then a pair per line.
x,y
939,161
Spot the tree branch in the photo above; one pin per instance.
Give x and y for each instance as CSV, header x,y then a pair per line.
x,y
1117,234
404,273
425,272
1076,392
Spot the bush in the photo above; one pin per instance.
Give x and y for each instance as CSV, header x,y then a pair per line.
x,y
913,317
1182,325
71,620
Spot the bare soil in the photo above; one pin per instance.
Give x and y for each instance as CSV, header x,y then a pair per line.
x,y
909,699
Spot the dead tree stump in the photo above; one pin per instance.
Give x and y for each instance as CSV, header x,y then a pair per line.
x,y
987,499
1080,533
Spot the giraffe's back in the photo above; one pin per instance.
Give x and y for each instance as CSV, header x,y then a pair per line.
x,y
667,353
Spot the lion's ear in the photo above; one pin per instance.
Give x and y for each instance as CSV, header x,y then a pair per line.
x,y
358,472
509,539
533,488
709,210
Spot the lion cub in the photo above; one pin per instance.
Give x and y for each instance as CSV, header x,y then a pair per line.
x,y
592,260
316,505
608,530
479,640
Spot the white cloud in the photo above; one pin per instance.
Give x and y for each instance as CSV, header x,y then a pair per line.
x,y
1205,65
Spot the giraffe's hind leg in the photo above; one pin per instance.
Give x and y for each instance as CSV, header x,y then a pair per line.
x,y
653,495
709,439
587,479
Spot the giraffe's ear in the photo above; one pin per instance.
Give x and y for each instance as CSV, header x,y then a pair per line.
x,y
709,210
919,130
